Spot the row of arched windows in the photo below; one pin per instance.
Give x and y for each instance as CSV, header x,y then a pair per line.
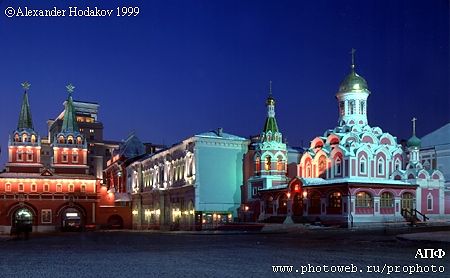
x,y
25,138
70,140
280,164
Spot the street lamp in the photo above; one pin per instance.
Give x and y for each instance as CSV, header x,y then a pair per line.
x,y
288,195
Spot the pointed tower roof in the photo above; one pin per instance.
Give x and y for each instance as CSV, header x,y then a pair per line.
x,y
271,122
69,122
25,120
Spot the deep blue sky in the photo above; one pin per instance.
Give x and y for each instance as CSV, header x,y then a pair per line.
x,y
184,67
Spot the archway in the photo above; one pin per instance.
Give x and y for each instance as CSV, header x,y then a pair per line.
x,y
115,222
22,221
72,219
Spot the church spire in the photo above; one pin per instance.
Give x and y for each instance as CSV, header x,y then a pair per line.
x,y
271,122
25,120
69,122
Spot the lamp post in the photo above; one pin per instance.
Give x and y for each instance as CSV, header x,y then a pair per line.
x,y
288,219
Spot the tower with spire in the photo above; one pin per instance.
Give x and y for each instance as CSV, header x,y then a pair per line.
x,y
413,145
24,146
69,145
352,98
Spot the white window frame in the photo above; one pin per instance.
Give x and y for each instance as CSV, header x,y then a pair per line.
x,y
59,187
337,161
363,161
430,198
380,162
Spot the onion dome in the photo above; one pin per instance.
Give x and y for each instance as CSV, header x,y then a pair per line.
x,y
414,141
353,82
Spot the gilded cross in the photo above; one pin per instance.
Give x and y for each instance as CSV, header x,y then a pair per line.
x,y
70,88
414,125
26,85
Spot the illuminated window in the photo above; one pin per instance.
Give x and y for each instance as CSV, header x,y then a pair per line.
x,y
351,106
70,140
334,200
91,131
8,187
322,164
61,139
267,165
20,187
364,200
46,188
308,169
79,141
83,188
58,188
24,138
280,164
16,138
387,200
71,187
33,187
33,138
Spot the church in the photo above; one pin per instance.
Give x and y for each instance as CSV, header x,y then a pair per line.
x,y
353,174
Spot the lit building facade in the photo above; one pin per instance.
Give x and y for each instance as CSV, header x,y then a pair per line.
x,y
354,174
60,193
193,184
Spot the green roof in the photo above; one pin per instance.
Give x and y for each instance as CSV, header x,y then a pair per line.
x,y
271,125
414,141
70,121
25,120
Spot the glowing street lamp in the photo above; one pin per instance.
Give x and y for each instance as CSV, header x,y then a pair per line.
x,y
288,195
305,194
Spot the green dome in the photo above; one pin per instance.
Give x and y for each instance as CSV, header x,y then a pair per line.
x,y
353,82
414,141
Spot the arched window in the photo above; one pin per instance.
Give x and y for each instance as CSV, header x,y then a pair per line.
x,y
398,164
362,165
268,163
79,141
29,155
70,140
315,203
429,202
337,166
280,163
33,138
24,138
364,200
16,138
387,200
71,188
380,166
61,139
362,107
351,107
258,164
308,169
322,164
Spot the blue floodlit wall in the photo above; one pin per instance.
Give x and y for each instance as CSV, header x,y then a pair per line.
x,y
219,175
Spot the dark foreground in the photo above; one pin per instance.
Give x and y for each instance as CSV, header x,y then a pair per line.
x,y
131,254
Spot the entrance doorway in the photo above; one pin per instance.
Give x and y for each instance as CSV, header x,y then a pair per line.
x,y
22,222
71,220
408,201
297,205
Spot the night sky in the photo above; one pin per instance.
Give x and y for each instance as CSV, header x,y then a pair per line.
x,y
185,67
